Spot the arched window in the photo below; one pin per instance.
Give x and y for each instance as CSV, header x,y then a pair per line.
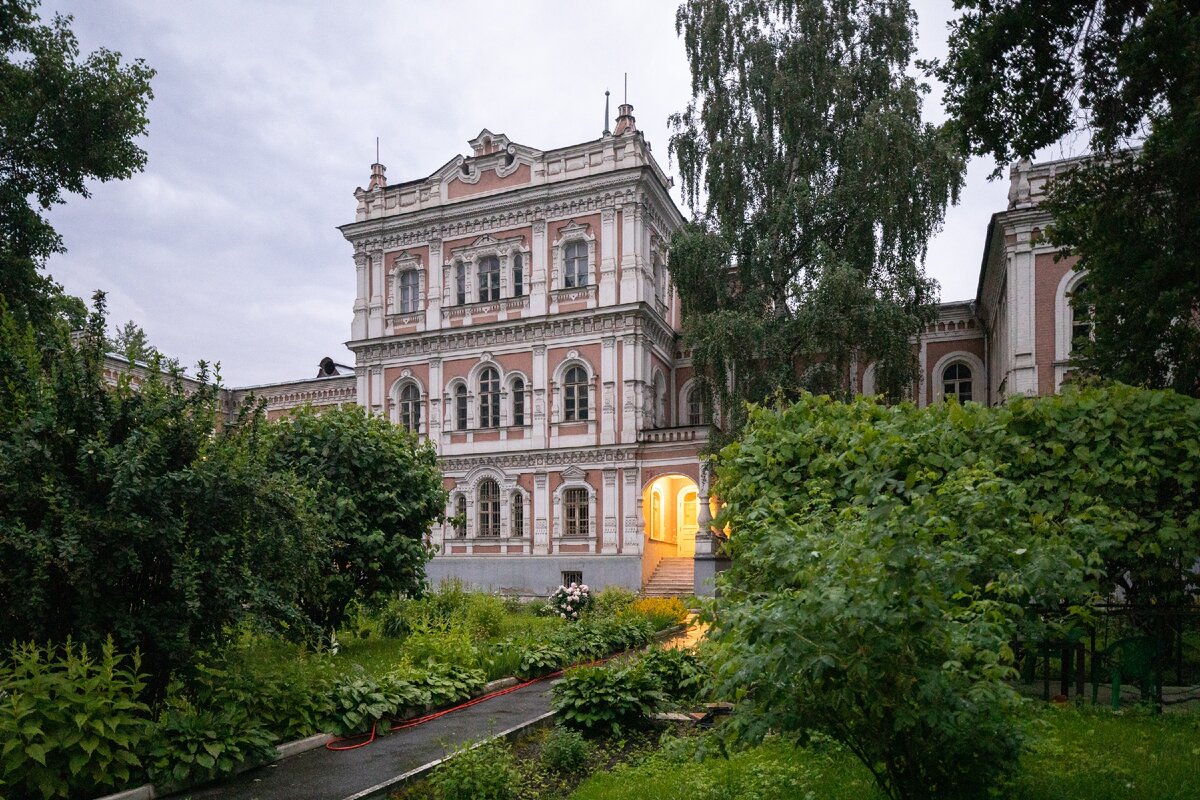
x,y
517,504
575,395
489,279
460,407
410,407
575,265
460,511
410,291
695,406
489,508
956,381
460,283
518,269
575,505
1082,322
518,402
489,398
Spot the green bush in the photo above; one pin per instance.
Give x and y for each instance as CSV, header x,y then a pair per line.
x,y
70,724
606,699
356,703
680,673
433,642
396,618
503,659
884,559
191,746
565,751
484,615
541,659
611,601
482,772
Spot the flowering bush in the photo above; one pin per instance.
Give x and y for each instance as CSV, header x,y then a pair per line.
x,y
570,601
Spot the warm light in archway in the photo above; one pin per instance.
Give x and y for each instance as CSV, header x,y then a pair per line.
x,y
670,513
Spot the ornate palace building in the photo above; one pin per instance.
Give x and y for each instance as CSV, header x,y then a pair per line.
x,y
515,309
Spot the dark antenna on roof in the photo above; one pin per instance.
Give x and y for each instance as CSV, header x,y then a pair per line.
x,y
376,149
606,130
626,100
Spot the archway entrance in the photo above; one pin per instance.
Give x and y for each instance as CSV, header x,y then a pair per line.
x,y
669,516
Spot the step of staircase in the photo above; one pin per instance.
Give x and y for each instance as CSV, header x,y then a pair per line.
x,y
673,577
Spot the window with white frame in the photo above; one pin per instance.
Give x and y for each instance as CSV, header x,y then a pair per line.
x,y
460,407
957,382
460,283
460,511
517,523
575,512
489,398
575,265
410,407
518,402
489,509
695,406
1082,317
518,275
575,395
489,279
409,291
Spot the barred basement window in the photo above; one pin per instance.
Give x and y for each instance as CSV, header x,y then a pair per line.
x,y
572,576
489,399
489,279
575,503
575,395
489,509
410,407
518,402
518,515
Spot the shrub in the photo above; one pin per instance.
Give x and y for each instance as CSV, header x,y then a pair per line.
x,y
611,601
569,602
606,699
192,746
663,612
881,565
679,673
565,751
448,684
434,642
484,616
357,702
396,618
541,659
70,724
482,772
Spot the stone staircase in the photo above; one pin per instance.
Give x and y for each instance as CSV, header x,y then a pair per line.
x,y
673,577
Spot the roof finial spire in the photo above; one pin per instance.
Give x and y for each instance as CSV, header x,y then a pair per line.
x,y
626,99
606,130
625,121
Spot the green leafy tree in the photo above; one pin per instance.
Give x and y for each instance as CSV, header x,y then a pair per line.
x,y
63,121
130,340
815,186
380,491
134,510
1021,75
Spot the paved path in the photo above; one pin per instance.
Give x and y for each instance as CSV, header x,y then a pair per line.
x,y
326,775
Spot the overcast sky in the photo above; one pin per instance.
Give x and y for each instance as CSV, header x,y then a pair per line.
x,y
264,121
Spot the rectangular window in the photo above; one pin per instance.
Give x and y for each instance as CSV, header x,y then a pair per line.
x,y
518,275
489,279
572,576
518,403
576,509
460,283
410,291
575,265
518,516
460,408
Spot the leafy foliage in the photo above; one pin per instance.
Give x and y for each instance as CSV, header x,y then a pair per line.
x,y
679,672
69,723
885,557
479,772
380,490
565,751
1021,76
128,510
541,659
357,702
64,122
192,746
663,612
821,186
606,699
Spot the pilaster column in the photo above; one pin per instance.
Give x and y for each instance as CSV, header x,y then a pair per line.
x,y
609,542
375,303
630,280
632,528
1021,339
538,286
538,389
358,328
433,291
629,399
434,390
608,256
608,378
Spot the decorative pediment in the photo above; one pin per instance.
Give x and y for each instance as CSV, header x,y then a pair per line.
x,y
573,230
574,473
405,260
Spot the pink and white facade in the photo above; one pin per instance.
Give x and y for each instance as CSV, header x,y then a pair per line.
x,y
514,308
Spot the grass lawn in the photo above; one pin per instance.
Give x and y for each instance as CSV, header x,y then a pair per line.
x,y
1075,754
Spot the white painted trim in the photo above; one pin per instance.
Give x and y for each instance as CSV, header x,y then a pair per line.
x,y
978,376
1063,314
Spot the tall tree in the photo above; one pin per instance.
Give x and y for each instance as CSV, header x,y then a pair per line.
x,y
63,121
1022,74
815,187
